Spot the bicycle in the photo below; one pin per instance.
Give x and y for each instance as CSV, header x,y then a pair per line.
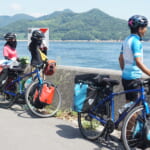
x,y
13,91
99,121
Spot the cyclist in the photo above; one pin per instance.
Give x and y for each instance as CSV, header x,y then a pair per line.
x,y
34,47
9,53
9,50
131,56
131,61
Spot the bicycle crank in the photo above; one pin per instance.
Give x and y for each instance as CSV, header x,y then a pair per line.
x,y
110,126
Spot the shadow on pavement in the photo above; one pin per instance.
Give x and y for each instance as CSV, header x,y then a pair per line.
x,y
23,112
70,132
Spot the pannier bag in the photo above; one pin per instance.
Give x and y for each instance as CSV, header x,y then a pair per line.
x,y
85,91
50,67
43,96
1,69
84,97
142,132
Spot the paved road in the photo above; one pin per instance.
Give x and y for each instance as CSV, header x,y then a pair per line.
x,y
20,131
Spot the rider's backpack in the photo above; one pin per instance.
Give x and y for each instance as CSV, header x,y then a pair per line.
x,y
85,91
43,96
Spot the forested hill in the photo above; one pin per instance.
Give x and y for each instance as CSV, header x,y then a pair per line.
x,y
68,25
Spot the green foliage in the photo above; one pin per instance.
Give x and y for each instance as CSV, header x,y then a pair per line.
x,y
67,25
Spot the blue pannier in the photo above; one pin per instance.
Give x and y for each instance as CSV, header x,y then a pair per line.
x,y
84,97
86,91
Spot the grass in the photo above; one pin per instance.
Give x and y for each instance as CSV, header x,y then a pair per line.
x,y
67,115
71,115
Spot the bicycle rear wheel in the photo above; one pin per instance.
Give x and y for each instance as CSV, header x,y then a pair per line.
x,y
39,109
7,99
89,127
132,138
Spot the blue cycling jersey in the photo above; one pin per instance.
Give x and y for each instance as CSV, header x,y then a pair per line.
x,y
131,48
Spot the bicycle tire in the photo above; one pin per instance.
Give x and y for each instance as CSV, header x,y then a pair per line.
x,y
7,100
128,129
48,110
89,127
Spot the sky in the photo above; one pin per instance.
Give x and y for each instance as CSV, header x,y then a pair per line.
x,y
122,9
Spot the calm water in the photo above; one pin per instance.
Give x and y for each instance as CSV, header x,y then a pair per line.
x,y
83,54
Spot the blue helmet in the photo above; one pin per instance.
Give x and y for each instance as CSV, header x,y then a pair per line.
x,y
137,21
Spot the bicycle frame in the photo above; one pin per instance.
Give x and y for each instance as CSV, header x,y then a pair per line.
x,y
19,79
110,98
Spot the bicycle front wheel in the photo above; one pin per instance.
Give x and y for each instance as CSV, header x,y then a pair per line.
x,y
131,135
89,127
36,107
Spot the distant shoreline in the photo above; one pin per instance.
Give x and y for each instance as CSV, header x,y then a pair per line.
x,y
92,41
98,41
78,40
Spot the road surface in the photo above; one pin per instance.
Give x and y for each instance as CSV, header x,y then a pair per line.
x,y
21,131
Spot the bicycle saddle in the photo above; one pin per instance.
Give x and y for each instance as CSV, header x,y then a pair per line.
x,y
99,78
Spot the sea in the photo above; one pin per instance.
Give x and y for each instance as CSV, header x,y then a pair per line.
x,y
83,54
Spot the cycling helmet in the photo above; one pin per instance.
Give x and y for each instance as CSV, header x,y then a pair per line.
x,y
37,34
10,36
137,21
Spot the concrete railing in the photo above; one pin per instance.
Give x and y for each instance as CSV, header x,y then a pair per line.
x,y
64,79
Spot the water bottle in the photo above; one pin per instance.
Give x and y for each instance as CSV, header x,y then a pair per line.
x,y
21,87
124,107
28,82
